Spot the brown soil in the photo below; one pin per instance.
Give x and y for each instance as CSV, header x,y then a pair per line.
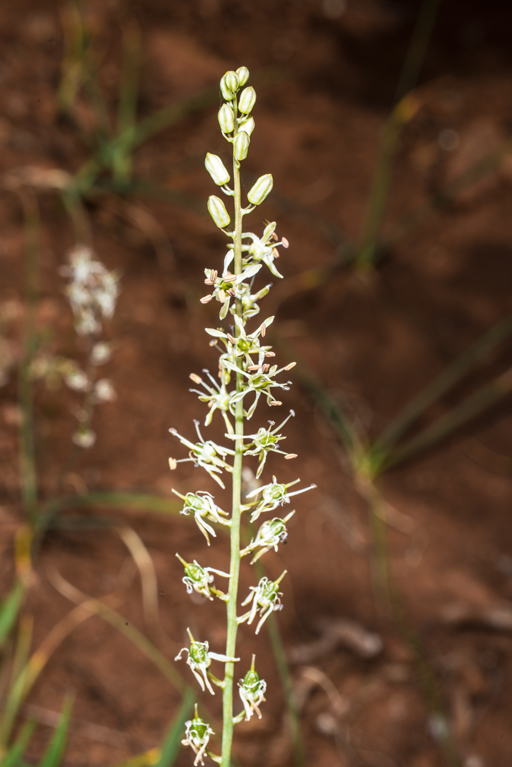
x,y
373,339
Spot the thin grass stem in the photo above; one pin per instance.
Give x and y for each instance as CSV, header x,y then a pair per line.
x,y
472,407
399,116
444,381
28,475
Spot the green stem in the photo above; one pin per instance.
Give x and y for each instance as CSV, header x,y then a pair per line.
x,y
234,570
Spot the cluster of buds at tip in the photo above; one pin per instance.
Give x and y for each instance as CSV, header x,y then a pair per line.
x,y
247,377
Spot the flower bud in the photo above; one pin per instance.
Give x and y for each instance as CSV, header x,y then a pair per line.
x,y
229,86
247,124
241,146
242,74
247,100
218,212
216,169
226,119
261,189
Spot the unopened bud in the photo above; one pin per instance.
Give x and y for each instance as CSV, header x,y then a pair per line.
x,y
241,146
247,100
242,74
216,169
261,189
226,119
218,212
229,85
247,124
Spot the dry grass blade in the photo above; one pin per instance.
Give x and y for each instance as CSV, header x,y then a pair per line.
x,y
99,608
146,568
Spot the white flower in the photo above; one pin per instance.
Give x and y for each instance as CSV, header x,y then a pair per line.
x,y
92,290
101,353
269,536
199,659
77,380
201,506
262,248
84,437
274,495
266,598
228,286
242,345
252,692
197,736
217,398
206,454
104,391
259,379
264,442
200,579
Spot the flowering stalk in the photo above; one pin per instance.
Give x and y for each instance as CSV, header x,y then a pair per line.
x,y
244,377
92,293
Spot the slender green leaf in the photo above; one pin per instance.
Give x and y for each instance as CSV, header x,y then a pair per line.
x,y
55,750
13,756
382,178
475,405
444,381
172,742
9,610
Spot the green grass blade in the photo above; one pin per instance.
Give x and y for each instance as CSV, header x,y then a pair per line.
x,y
445,381
459,416
17,686
55,750
28,475
13,756
327,404
121,155
172,741
142,501
9,610
382,178
422,213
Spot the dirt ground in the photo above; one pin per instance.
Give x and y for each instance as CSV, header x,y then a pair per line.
x,y
328,73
